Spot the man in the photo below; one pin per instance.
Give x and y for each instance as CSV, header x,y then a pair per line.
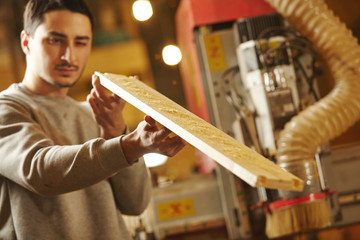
x,y
67,172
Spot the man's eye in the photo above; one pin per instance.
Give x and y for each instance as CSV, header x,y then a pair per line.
x,y
54,40
81,43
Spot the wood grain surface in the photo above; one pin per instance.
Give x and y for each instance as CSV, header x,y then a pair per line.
x,y
242,161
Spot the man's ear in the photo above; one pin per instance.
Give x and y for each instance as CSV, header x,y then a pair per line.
x,y
24,38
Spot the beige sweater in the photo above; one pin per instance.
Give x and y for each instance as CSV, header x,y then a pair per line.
x,y
58,179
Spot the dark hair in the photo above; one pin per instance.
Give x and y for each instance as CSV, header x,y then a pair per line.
x,y
35,10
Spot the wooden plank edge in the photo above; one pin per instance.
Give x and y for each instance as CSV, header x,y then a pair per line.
x,y
294,183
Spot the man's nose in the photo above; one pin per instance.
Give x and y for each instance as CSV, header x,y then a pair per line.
x,y
68,54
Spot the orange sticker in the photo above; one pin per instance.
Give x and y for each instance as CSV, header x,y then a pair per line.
x,y
215,52
175,209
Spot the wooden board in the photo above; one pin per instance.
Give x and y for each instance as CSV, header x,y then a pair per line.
x,y
245,163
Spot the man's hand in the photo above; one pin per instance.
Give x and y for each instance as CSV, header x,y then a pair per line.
x,y
107,110
147,138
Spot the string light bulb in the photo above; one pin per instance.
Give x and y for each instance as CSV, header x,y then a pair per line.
x,y
142,10
171,55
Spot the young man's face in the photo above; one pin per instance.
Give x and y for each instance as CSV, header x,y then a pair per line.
x,y
59,48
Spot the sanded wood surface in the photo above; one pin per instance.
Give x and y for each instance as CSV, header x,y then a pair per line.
x,y
245,163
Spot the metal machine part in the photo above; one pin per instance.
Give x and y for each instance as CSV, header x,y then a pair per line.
x,y
340,167
202,69
264,50
335,171
300,139
215,44
281,66
185,207
334,114
252,94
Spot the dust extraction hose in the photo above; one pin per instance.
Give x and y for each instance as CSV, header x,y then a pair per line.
x,y
336,112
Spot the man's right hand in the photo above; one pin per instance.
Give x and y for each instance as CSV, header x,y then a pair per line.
x,y
148,138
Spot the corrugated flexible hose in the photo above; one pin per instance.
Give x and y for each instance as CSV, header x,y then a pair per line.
x,y
336,112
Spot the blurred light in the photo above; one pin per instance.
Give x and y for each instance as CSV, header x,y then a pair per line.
x,y
142,10
171,55
154,159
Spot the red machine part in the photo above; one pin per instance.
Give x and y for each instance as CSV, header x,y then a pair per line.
x,y
195,13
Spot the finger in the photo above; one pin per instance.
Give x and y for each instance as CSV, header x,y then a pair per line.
x,y
94,106
95,80
115,98
150,120
98,111
161,134
172,146
174,141
135,76
173,151
97,103
121,103
99,90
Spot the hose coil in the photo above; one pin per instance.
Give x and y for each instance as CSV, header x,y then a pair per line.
x,y
336,112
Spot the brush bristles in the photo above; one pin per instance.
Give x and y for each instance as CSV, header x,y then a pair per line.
x,y
297,218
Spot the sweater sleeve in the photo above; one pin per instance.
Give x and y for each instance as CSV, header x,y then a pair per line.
x,y
30,158
132,188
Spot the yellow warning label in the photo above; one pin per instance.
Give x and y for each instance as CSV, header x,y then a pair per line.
x,y
215,52
175,209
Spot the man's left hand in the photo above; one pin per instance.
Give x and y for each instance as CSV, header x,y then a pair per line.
x,y
107,110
